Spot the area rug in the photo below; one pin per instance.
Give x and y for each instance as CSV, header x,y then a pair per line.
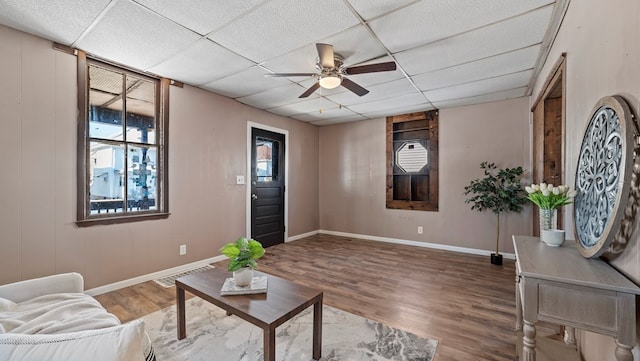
x,y
212,335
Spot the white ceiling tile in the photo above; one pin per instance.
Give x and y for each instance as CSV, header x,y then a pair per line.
x,y
275,97
507,63
502,95
370,9
316,105
347,119
392,89
328,114
480,87
201,16
457,51
247,82
281,26
43,18
397,102
398,110
516,33
428,21
369,80
304,59
202,63
132,35
356,45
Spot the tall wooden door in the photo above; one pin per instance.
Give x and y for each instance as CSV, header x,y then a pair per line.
x,y
548,128
267,187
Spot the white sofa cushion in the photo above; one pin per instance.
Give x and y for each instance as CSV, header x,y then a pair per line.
x,y
7,305
28,289
123,342
57,313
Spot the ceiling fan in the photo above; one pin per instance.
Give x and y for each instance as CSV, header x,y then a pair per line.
x,y
333,72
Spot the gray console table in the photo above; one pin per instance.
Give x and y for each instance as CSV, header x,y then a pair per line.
x,y
559,286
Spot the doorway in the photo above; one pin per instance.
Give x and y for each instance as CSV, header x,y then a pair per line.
x,y
267,201
548,135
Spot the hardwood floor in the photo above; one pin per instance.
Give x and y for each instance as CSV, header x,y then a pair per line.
x,y
461,300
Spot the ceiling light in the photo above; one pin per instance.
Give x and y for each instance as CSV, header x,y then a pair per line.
x,y
330,81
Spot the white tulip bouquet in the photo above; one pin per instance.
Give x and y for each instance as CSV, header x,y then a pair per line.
x,y
548,196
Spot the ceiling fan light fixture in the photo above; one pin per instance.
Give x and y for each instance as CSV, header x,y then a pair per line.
x,y
330,81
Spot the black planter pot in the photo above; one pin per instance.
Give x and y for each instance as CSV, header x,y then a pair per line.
x,y
496,259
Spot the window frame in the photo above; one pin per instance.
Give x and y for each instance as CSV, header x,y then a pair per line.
x,y
84,217
429,131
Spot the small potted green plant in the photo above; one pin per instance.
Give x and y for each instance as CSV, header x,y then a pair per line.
x,y
499,191
549,198
242,255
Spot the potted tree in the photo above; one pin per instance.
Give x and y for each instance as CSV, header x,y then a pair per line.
x,y
499,191
243,254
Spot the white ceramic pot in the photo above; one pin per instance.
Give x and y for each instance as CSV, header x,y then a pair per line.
x,y
243,276
553,237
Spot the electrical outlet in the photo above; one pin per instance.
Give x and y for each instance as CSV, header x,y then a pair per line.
x,y
239,179
183,249
420,230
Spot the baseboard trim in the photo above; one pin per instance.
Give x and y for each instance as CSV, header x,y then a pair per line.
x,y
151,276
301,236
475,251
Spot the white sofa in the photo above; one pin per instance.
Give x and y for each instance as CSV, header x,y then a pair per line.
x,y
50,318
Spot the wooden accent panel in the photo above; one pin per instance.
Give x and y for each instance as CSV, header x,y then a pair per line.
x,y
538,158
548,134
461,300
552,153
417,190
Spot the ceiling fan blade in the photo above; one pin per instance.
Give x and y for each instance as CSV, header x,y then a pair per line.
x,y
325,54
371,68
310,91
354,87
287,75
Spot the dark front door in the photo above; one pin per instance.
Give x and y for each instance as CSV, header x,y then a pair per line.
x,y
267,187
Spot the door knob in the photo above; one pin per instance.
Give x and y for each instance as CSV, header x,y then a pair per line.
x,y
253,196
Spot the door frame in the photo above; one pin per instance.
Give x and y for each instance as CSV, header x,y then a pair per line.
x,y
251,125
556,80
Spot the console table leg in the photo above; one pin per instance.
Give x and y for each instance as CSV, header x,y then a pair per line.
x,y
518,306
529,342
623,352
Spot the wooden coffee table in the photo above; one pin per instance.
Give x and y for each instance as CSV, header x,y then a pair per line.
x,y
283,300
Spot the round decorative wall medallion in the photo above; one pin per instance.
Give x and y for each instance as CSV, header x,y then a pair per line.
x,y
604,168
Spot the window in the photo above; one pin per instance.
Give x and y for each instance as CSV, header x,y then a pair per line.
x,y
122,144
412,161
266,159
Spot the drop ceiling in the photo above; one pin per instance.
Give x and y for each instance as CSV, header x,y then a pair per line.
x,y
448,52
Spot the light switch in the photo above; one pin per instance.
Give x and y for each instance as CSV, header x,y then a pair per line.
x,y
239,179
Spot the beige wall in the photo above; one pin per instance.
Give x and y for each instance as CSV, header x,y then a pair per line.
x,y
602,42
207,150
353,177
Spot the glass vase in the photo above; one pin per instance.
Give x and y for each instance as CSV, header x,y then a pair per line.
x,y
548,219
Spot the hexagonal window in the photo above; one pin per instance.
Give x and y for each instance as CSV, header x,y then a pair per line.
x,y
411,157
